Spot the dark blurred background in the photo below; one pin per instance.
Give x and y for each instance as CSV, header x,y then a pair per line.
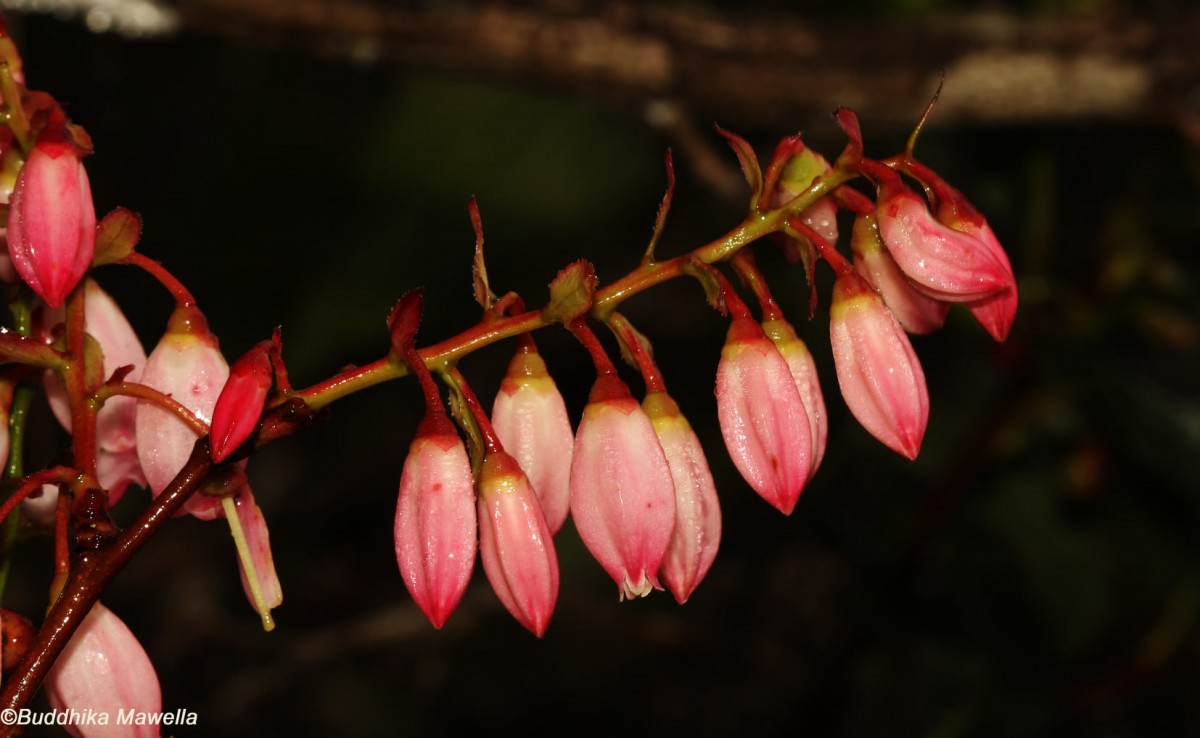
x,y
1036,572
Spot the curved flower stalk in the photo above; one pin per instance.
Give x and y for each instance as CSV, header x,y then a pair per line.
x,y
104,669
530,419
516,544
697,531
622,491
878,371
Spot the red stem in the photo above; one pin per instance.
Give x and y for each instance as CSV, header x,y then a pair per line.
x,y
747,269
481,418
623,329
604,366
183,298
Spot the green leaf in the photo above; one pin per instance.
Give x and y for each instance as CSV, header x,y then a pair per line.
x,y
571,293
117,234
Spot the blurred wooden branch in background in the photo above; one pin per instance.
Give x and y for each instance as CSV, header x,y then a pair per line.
x,y
759,68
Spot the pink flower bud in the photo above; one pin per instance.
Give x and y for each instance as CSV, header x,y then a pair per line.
x,y
803,166
187,365
530,420
942,262
766,428
51,219
515,543
917,312
697,530
105,669
435,523
877,368
622,494
258,544
804,370
116,455
995,312
241,401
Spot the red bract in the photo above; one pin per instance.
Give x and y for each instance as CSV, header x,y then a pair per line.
x,y
530,419
916,311
804,370
762,416
187,365
515,543
435,523
51,219
104,669
942,262
622,494
241,401
877,369
258,544
697,530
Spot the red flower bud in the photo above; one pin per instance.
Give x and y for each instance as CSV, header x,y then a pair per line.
x,y
877,368
762,416
622,494
530,419
241,401
435,523
105,669
51,219
697,530
515,543
942,262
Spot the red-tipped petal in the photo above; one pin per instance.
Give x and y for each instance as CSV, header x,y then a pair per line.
x,y
241,401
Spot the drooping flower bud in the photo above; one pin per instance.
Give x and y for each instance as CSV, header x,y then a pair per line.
x,y
116,454
104,669
762,417
877,369
917,312
804,370
697,530
942,262
515,543
995,312
530,418
622,494
435,521
51,219
241,401
187,365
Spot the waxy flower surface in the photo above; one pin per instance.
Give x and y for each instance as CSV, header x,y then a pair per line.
x,y
917,312
622,493
51,219
877,369
803,367
435,523
104,669
763,420
697,532
515,543
530,418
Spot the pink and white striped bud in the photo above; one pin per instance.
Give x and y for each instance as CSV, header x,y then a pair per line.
x,y
435,521
187,365
942,262
241,401
763,420
530,419
877,369
697,530
804,370
917,312
116,454
622,493
51,219
515,543
104,669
